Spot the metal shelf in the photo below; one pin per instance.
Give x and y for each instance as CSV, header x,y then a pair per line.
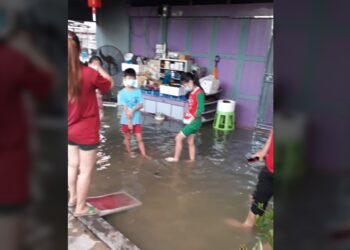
x,y
209,111
174,60
173,69
208,103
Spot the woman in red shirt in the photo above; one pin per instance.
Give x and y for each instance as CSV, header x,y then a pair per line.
x,y
83,125
264,189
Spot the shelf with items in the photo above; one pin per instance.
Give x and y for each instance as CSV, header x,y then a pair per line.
x,y
210,106
172,69
175,64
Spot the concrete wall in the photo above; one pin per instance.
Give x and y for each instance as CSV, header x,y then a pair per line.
x,y
203,32
112,28
113,25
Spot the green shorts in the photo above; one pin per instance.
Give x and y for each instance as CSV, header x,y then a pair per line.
x,y
192,128
84,147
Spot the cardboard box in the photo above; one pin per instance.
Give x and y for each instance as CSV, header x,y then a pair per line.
x,y
170,90
184,57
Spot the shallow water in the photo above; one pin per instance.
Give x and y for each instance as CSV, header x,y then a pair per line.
x,y
184,204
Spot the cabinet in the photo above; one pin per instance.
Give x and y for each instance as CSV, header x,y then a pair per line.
x,y
177,112
149,106
176,109
171,108
164,108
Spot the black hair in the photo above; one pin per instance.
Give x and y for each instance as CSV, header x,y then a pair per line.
x,y
129,72
96,58
188,76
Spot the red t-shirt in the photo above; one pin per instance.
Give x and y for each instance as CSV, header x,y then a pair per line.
x,y
18,76
269,157
83,115
193,104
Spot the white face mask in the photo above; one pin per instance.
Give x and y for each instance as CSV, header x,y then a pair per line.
x,y
188,89
130,83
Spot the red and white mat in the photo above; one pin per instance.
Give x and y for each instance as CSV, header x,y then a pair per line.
x,y
114,202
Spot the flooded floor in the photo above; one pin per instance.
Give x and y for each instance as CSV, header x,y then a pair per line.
x,y
184,204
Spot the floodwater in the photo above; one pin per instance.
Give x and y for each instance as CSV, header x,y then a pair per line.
x,y
184,204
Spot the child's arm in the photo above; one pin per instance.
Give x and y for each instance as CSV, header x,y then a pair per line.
x,y
200,107
105,75
263,152
128,117
200,104
137,107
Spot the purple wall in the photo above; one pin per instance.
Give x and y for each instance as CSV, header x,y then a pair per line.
x,y
153,35
228,35
137,34
201,35
177,34
242,44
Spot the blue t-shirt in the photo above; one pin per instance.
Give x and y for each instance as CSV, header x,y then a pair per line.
x,y
131,98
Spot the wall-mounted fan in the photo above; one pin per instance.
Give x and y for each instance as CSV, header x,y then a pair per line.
x,y
112,59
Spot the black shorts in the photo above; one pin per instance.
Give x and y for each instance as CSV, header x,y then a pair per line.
x,y
84,147
8,209
263,192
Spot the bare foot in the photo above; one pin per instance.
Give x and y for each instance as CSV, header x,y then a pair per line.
x,y
171,159
236,224
266,246
72,202
87,211
147,157
132,155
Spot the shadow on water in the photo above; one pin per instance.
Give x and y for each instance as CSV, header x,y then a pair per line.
x,y
184,204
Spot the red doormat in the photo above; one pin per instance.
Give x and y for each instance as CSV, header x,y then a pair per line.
x,y
113,203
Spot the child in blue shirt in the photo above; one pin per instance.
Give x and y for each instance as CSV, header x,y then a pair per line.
x,y
131,100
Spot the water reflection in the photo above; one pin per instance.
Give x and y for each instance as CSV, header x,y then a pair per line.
x,y
184,204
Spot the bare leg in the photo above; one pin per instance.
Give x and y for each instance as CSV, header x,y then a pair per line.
x,y
247,224
250,220
11,231
191,147
73,167
267,246
141,144
87,163
178,148
127,142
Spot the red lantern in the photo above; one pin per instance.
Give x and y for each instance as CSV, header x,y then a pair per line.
x,y
94,4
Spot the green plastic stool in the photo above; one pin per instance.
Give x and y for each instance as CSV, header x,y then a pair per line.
x,y
224,121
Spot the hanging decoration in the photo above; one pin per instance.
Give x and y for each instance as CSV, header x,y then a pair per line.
x,y
94,5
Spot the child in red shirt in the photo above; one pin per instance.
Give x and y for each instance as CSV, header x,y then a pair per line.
x,y
192,118
95,62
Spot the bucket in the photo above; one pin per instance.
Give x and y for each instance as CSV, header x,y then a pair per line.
x,y
226,106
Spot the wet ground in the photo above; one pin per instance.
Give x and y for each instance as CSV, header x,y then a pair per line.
x,y
79,237
184,204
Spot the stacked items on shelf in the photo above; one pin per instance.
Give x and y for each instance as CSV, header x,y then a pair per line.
x,y
174,67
